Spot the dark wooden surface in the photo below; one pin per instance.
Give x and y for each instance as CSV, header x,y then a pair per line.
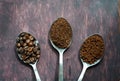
x,y
36,16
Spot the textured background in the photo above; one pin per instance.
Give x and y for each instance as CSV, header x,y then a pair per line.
x,y
36,16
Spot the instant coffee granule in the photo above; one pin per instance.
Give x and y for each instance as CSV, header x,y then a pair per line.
x,y
92,49
61,33
27,48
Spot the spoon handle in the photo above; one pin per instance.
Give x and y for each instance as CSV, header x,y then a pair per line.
x,y
36,72
61,66
83,72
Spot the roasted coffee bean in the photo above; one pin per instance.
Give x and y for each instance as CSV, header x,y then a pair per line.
x,y
24,38
21,50
38,52
27,61
21,43
28,53
28,41
24,57
18,45
26,48
30,49
35,49
24,44
27,36
38,56
33,54
31,38
20,38
32,59
22,34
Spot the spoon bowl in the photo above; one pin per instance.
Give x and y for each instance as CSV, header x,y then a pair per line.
x,y
20,54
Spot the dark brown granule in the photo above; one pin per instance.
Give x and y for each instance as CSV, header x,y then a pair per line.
x,y
61,33
92,49
28,51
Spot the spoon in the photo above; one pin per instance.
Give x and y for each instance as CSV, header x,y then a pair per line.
x,y
85,66
95,43
60,51
60,38
20,42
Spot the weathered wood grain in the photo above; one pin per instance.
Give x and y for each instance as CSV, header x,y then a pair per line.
x,y
36,16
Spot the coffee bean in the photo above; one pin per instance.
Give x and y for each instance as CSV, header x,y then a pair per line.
x,y
24,38
38,56
30,49
31,38
18,45
28,41
35,49
21,50
32,59
27,61
21,42
22,34
24,44
38,52
24,57
20,38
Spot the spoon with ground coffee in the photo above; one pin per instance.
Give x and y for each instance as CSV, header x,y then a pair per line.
x,y
60,37
91,52
28,51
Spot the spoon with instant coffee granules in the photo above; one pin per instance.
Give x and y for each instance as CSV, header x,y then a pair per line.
x,y
28,50
91,52
60,37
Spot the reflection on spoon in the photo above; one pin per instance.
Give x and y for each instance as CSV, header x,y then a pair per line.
x,y
91,52
60,36
28,51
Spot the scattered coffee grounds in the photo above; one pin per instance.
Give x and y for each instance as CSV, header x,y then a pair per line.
x,y
61,33
27,48
92,49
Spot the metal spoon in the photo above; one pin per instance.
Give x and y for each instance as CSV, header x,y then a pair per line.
x,y
85,66
60,51
60,32
32,64
89,43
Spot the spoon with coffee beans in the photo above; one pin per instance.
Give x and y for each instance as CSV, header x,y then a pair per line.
x,y
28,51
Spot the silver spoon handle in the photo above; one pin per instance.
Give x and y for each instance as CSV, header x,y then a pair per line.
x,y
60,67
36,72
83,72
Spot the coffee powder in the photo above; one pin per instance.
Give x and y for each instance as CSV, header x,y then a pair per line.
x,y
61,33
92,49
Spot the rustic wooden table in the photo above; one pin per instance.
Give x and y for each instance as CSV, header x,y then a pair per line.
x,y
86,17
